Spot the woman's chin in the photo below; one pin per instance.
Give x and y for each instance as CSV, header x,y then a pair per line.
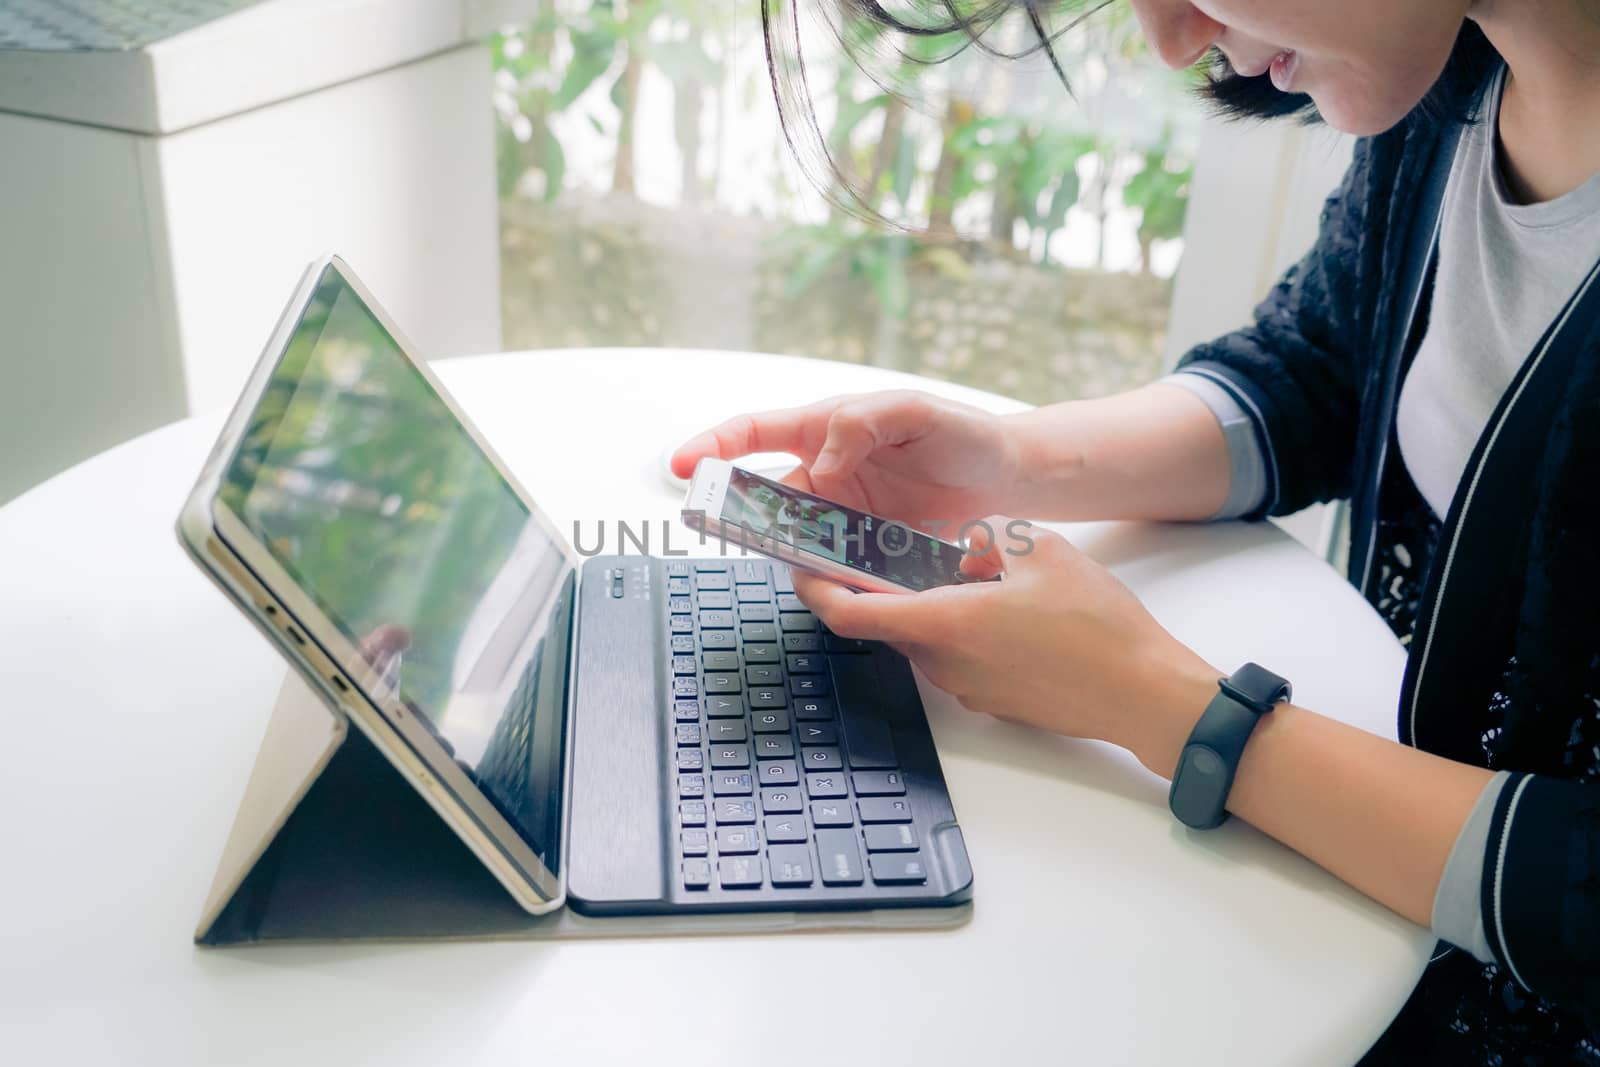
x,y
1360,117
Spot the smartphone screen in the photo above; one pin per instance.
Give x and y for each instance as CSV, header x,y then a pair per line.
x,y
881,547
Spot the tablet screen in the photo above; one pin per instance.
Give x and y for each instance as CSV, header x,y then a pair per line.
x,y
368,490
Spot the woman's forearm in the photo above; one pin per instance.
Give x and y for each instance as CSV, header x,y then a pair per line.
x,y
1152,453
1380,815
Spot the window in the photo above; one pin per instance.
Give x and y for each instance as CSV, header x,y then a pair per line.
x,y
649,198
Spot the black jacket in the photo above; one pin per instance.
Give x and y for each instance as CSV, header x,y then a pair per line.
x,y
1499,603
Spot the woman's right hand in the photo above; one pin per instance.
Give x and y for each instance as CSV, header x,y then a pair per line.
x,y
903,455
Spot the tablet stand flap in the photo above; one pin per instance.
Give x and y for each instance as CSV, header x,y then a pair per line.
x,y
302,735
361,855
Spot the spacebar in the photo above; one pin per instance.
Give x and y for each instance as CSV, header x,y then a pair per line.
x,y
867,737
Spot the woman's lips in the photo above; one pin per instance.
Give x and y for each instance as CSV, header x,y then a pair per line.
x,y
1283,68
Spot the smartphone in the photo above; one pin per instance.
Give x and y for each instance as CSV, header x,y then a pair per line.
x,y
756,514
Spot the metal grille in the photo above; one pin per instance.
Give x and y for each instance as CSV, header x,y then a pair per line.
x,y
102,25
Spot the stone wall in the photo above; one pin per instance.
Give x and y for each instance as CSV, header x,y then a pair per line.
x,y
613,271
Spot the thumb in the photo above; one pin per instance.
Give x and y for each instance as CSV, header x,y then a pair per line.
x,y
999,544
857,428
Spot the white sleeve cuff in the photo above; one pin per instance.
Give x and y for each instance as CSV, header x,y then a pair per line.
x,y
1458,903
1247,484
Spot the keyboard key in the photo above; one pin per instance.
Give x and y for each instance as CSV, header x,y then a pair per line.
x,y
689,734
678,568
898,868
696,874
738,840
731,812
790,865
681,624
691,786
722,731
781,801
809,685
722,683
831,813
869,741
690,759
724,707
677,587
801,643
732,784
790,602
715,639
720,661
709,566
797,621
763,632
756,613
774,746
785,829
695,842
890,837
767,698
813,710
854,645
685,687
770,721
838,858
740,872
764,675
884,809
817,759
750,572
878,784
716,620
752,594
692,813
715,601
812,733
782,580
680,605
683,665
777,772
761,653
710,579
724,756
683,644
806,664
685,711
824,786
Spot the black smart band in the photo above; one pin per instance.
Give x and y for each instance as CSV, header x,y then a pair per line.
x,y
1204,775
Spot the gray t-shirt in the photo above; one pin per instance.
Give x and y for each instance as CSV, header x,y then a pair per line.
x,y
1504,271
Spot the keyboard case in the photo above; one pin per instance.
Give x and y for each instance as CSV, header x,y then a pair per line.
x,y
331,843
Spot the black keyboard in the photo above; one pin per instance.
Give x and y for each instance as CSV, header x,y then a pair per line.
x,y
802,760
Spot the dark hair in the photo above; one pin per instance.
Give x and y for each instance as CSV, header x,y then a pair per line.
x,y
863,26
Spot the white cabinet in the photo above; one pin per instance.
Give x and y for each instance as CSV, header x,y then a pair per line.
x,y
158,204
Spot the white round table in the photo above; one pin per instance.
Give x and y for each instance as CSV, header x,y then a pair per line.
x,y
1103,933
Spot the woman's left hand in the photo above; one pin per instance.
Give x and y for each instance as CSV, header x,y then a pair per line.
x,y
1059,644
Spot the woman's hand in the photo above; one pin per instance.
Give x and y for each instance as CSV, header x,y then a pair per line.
x,y
904,455
1059,644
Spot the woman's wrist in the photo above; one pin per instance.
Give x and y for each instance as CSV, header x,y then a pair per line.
x,y
1170,702
1043,460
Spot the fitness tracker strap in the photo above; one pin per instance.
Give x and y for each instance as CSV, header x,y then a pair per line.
x,y
1204,777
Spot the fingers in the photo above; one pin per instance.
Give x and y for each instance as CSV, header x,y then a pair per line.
x,y
897,618
783,430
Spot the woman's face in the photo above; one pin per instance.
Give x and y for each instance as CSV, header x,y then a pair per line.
x,y
1366,63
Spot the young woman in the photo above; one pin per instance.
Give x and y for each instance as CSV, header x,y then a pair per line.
x,y
1435,359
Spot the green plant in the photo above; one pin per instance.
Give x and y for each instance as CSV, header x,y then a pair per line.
x,y
1161,193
